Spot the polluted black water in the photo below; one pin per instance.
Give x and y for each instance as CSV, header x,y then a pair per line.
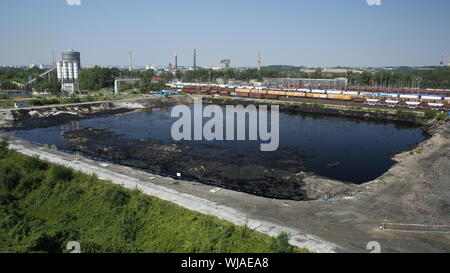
x,y
334,147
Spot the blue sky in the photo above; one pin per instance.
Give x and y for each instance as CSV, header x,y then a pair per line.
x,y
295,32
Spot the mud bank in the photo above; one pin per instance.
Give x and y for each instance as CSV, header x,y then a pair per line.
x,y
45,116
280,175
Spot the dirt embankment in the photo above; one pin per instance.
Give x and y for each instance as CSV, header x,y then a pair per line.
x,y
35,117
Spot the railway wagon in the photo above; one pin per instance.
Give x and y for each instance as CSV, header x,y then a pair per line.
x,y
339,97
436,105
276,92
270,96
401,98
242,90
260,91
319,96
291,93
255,95
334,92
191,89
359,100
242,94
412,104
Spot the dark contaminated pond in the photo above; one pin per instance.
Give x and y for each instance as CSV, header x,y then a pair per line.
x,y
339,148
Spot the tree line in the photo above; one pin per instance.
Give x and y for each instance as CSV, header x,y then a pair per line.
x,y
98,78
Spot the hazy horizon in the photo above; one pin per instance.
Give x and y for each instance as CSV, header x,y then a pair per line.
x,y
324,33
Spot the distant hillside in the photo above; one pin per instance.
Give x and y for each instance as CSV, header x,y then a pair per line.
x,y
409,69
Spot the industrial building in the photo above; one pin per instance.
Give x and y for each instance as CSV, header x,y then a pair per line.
x,y
340,82
67,71
225,64
71,56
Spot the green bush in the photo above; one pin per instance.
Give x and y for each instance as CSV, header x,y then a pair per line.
x,y
3,147
430,114
9,176
59,173
442,116
73,99
405,113
43,102
44,206
34,163
116,196
280,244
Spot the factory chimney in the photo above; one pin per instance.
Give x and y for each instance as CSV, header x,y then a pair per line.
x,y
195,58
258,61
129,61
176,61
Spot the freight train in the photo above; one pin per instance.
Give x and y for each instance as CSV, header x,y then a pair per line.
x,y
413,99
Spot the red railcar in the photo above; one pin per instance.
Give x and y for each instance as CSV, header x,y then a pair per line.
x,y
242,94
423,104
270,96
358,100
255,95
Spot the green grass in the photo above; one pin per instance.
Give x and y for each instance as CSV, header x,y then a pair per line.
x,y
442,116
43,102
433,114
357,108
312,105
6,104
44,206
405,113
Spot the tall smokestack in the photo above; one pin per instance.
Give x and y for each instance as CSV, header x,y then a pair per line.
x,y
195,58
176,61
258,61
129,61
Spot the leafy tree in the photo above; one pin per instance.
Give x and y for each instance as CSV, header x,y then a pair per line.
x,y
9,177
50,85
